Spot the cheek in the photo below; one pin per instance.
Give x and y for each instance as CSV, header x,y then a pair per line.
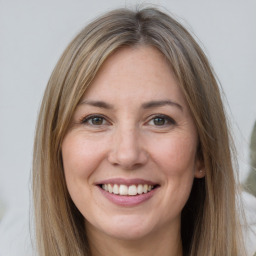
x,y
80,159
176,155
176,159
80,156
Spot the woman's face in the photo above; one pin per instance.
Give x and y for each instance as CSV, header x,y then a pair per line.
x,y
130,155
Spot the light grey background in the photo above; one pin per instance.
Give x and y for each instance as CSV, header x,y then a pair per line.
x,y
33,34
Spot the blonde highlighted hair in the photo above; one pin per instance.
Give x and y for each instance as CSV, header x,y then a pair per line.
x,y
209,223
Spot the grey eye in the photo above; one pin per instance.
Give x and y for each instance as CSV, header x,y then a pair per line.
x,y
159,121
94,120
97,120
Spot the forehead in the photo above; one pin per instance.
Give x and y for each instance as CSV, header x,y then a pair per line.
x,y
135,71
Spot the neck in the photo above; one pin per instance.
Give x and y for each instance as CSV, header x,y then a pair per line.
x,y
163,243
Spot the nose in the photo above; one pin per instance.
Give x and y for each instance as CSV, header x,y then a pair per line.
x,y
127,150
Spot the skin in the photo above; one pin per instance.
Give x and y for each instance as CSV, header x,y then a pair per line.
x,y
129,140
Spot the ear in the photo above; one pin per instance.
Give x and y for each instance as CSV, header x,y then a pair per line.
x,y
199,165
200,173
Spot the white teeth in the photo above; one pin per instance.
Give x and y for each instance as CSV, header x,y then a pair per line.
x,y
145,188
140,189
132,191
124,190
116,189
109,188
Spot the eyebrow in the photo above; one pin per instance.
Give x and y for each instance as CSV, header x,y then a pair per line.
x,y
99,104
160,103
146,105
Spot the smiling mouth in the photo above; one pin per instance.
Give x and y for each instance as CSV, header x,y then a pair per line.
x,y
124,190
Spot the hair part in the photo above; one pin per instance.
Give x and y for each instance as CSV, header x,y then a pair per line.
x,y
209,223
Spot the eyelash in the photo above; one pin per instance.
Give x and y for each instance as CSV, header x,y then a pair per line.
x,y
167,120
89,118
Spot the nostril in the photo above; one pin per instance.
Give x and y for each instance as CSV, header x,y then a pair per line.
x,y
128,159
126,149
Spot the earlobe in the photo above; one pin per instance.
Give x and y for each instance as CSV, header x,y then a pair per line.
x,y
199,167
200,173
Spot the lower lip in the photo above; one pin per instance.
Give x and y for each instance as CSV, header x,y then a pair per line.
x,y
127,200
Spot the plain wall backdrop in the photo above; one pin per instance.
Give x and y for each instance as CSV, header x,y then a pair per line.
x,y
33,35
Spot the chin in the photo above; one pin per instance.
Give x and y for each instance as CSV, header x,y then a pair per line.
x,y
128,228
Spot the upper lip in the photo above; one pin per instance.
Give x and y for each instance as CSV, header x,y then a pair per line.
x,y
127,182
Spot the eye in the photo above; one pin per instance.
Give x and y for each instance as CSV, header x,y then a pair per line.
x,y
161,120
95,120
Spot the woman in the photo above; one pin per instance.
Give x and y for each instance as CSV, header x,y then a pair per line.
x,y
132,151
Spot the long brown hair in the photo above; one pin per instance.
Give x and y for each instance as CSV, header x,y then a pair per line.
x,y
209,224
